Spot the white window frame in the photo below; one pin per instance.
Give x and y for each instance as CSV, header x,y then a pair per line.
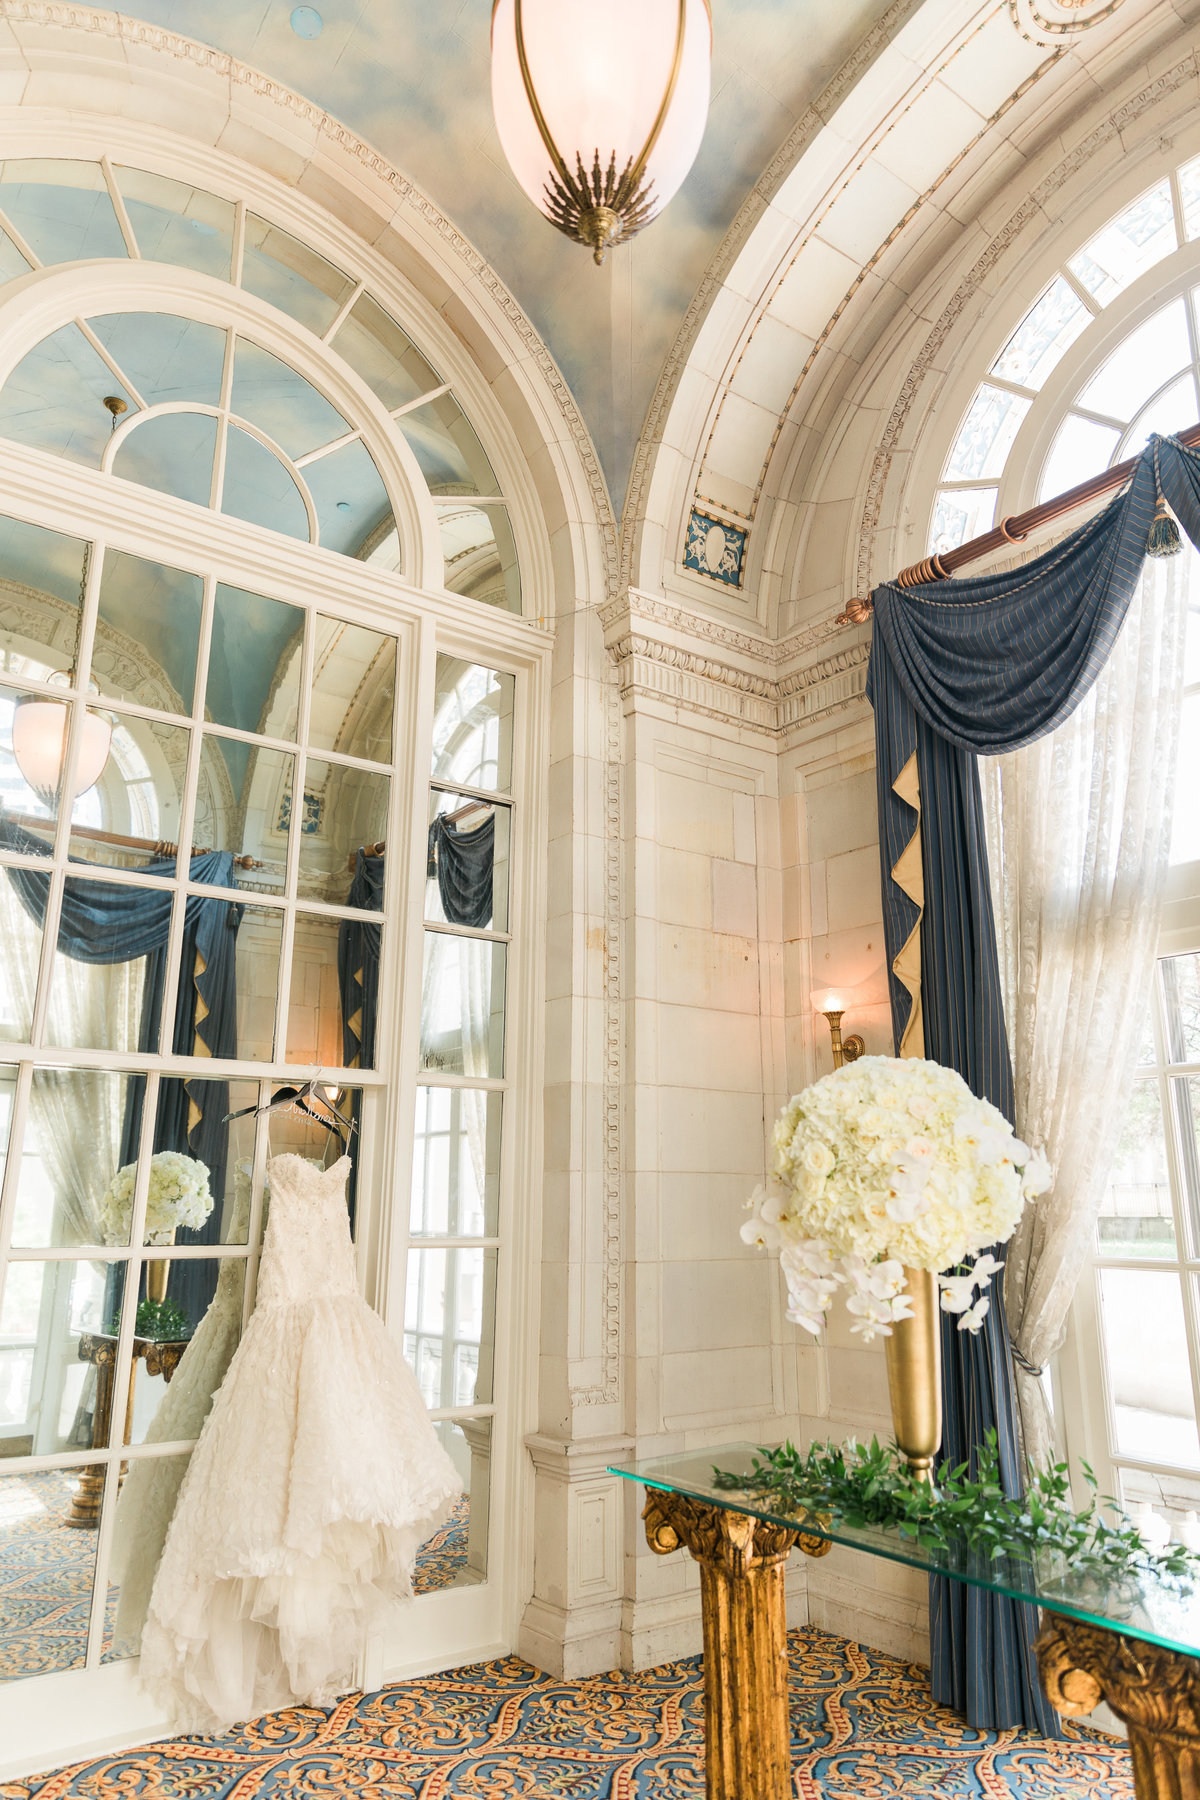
x,y
454,1624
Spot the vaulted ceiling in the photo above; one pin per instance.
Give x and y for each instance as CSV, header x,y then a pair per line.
x,y
412,78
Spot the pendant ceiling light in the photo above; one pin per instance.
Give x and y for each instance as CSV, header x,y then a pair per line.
x,y
601,109
39,741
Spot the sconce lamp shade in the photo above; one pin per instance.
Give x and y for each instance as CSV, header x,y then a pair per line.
x,y
39,737
601,108
827,1000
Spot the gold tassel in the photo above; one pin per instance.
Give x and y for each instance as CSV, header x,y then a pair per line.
x,y
1163,539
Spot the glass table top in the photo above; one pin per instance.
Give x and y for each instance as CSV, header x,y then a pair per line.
x,y
1161,1610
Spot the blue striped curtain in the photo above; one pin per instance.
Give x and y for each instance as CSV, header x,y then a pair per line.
x,y
960,669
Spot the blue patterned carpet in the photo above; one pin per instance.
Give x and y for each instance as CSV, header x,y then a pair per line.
x,y
46,1571
863,1728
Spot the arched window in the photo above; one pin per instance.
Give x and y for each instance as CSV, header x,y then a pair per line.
x,y
1108,353
254,554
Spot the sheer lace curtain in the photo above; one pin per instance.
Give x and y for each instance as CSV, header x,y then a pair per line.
x,y
77,1114
1079,832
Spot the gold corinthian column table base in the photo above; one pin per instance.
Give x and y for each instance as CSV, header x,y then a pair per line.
x,y
1155,1691
1133,1641
742,1560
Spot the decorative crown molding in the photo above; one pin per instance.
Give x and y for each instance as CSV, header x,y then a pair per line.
x,y
141,34
664,652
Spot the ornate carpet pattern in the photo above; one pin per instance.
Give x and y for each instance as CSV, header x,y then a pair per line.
x,y
863,1728
443,1557
46,1571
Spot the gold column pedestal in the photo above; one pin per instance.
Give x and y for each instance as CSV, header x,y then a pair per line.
x,y
914,1368
1155,1691
747,1741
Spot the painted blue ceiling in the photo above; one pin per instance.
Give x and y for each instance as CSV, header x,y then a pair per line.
x,y
412,78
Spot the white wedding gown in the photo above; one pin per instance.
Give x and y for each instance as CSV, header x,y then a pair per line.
x,y
316,1478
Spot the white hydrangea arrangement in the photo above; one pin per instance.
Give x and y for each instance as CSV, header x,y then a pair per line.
x,y
179,1195
885,1165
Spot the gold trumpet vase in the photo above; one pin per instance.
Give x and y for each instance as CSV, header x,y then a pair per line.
x,y
158,1270
914,1366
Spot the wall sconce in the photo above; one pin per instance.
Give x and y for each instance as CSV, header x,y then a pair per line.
x,y
832,1003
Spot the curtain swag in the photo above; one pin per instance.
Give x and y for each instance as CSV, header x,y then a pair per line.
x,y
959,669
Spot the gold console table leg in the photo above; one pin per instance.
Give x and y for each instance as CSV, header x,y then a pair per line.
x,y
1156,1692
747,1740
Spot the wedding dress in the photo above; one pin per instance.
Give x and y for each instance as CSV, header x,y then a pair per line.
x,y
316,1477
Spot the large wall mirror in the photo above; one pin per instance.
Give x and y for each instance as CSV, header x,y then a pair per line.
x,y
205,805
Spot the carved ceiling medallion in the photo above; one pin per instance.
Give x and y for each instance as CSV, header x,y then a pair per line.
x,y
1049,21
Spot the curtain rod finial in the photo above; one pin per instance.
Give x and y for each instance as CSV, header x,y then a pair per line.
x,y
856,612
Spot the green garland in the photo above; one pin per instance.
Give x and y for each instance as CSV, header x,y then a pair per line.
x,y
865,1486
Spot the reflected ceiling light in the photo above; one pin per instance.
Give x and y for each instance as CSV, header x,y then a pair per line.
x,y
601,110
39,741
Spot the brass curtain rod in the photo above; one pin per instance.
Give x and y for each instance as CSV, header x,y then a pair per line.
x,y
94,836
1012,530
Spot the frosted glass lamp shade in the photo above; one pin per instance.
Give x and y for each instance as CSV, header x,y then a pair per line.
x,y
39,737
601,108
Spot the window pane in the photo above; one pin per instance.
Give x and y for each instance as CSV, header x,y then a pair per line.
x,y
451,457
1141,1314
172,453
1185,1098
343,809
166,357
138,793
101,1005
1140,364
1181,1006
960,516
57,1329
54,398
1135,1215
1185,823
1081,449
49,1566
270,394
148,633
149,1489
201,1178
61,208
1129,245
1044,336
450,1324
279,268
254,663
983,444
175,223
457,1554
462,1011
472,725
314,1029
12,263
39,629
354,687
456,1163
259,944
353,509
259,489
480,554
467,870
386,358
1171,411
21,926
247,802
189,1320
81,1125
